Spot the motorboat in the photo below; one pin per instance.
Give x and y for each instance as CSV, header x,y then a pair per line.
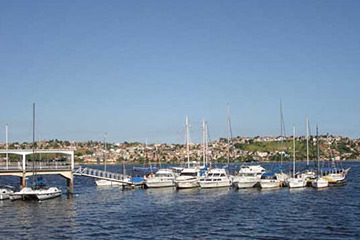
x,y
248,176
215,178
189,178
162,178
28,193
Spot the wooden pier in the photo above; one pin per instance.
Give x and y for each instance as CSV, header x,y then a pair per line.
x,y
24,168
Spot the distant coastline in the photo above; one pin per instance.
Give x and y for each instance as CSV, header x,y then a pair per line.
x,y
239,149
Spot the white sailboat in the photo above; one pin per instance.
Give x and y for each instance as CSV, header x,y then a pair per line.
x,y
190,176
319,182
309,174
105,182
297,180
276,178
35,192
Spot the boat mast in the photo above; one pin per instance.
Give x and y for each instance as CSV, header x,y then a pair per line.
x,y
187,141
229,132
33,147
281,133
307,141
204,141
7,146
294,152
317,151
105,152
207,141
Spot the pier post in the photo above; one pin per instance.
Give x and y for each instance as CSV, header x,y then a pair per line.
x,y
23,180
70,185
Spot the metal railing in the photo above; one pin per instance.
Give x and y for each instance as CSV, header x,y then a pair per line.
x,y
53,165
96,173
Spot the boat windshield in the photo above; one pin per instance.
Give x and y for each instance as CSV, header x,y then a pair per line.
x,y
162,175
189,174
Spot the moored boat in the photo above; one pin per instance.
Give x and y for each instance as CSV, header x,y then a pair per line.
x,y
215,178
269,180
5,192
248,176
162,178
189,178
28,193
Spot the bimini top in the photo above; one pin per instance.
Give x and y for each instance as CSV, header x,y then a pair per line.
x,y
268,174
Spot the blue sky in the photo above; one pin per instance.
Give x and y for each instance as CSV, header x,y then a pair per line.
x,y
135,69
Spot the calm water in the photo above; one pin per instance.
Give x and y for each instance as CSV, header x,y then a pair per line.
x,y
110,213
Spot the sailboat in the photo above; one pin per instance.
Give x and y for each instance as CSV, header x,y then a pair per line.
x,y
37,191
297,180
190,176
334,173
277,177
219,177
319,182
105,182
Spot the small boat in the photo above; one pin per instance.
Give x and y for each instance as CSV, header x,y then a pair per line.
x,y
5,192
319,182
269,180
133,182
162,178
107,183
334,174
297,180
248,176
216,178
28,193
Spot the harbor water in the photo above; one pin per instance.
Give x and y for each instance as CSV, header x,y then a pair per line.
x,y
112,213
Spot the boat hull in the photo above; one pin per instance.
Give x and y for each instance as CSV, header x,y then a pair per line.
x,y
193,183
159,184
107,183
215,184
296,183
38,194
245,182
265,183
320,183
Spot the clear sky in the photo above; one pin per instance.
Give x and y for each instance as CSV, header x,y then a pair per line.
x,y
135,69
